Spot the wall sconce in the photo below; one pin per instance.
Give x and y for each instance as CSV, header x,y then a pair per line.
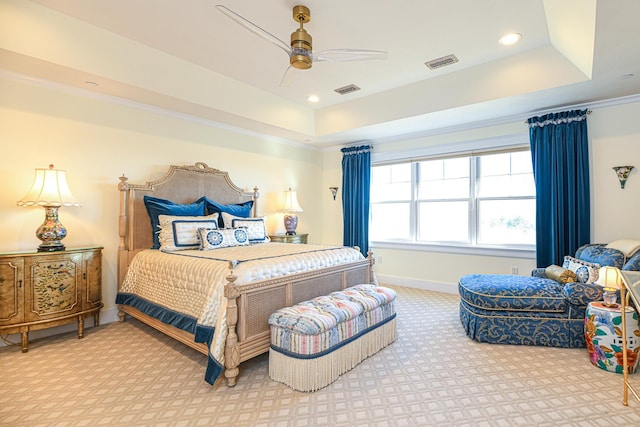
x,y
623,173
50,190
334,191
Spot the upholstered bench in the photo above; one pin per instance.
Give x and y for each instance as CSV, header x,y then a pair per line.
x,y
316,341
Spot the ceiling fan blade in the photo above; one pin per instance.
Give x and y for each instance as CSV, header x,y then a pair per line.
x,y
254,28
350,55
288,77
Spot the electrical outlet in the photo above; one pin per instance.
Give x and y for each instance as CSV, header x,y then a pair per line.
x,y
379,260
514,270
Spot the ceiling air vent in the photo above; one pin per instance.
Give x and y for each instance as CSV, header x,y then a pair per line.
x,y
347,89
441,62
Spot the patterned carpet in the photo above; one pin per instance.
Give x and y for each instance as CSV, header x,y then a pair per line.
x,y
126,374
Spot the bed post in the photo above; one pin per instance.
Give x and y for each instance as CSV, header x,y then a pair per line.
x,y
254,195
232,348
370,276
122,231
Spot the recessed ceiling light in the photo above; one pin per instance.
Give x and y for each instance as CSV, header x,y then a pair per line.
x,y
313,98
509,39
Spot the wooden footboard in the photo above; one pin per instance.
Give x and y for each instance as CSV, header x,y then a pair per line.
x,y
250,305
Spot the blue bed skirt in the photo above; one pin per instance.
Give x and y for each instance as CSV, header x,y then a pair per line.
x,y
202,334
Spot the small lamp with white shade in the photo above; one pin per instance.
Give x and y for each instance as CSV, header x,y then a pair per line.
x,y
290,207
611,280
50,190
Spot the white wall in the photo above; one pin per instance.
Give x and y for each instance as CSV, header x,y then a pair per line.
x,y
615,141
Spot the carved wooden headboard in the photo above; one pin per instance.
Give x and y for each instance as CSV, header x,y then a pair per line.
x,y
181,184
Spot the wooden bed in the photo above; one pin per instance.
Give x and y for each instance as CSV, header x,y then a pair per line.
x,y
248,305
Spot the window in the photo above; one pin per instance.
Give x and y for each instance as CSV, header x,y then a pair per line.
x,y
483,199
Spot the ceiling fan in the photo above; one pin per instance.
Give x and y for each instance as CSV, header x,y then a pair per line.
x,y
300,51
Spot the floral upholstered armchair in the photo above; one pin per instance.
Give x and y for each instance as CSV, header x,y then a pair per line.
x,y
546,308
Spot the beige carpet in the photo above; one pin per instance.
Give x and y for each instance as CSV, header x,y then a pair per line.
x,y
126,374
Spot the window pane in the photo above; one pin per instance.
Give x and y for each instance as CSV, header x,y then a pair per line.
x,y
444,221
390,221
521,162
494,205
391,182
495,164
444,179
507,222
506,175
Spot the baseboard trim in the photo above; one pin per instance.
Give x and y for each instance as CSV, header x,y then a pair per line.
x,y
448,288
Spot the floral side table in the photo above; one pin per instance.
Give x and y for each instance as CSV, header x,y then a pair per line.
x,y
603,335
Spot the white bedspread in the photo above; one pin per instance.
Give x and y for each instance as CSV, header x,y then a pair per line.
x,y
192,282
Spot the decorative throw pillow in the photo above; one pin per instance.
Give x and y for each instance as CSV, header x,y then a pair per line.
x,y
599,254
633,263
212,238
586,272
181,232
156,207
627,247
256,228
241,210
560,275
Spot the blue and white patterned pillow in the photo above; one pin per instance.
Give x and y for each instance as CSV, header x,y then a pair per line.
x,y
256,227
212,238
587,272
181,232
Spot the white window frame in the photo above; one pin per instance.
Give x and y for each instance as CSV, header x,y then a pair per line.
x,y
470,148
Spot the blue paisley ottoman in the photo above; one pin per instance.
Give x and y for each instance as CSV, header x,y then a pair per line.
x,y
316,341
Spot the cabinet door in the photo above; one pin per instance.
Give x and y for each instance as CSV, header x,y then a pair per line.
x,y
11,291
54,285
92,279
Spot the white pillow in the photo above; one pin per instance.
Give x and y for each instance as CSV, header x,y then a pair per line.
x,y
256,227
627,247
213,238
181,232
586,272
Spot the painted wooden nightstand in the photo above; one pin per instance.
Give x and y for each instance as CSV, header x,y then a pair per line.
x,y
289,238
41,290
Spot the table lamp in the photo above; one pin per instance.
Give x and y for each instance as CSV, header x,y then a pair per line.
x,y
611,280
290,206
50,190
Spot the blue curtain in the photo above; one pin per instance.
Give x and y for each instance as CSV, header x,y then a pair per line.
x,y
356,182
559,151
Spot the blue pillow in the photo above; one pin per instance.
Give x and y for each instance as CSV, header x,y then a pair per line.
x,y
242,210
156,207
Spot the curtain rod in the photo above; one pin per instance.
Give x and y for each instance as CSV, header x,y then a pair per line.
x,y
542,114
